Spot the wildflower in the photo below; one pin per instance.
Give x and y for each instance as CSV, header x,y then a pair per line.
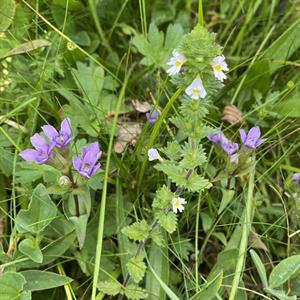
x,y
196,89
153,155
220,139
61,138
296,177
219,65
42,151
153,116
177,204
252,139
176,62
87,165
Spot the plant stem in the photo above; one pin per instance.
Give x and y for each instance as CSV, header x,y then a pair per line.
x,y
200,13
104,191
196,242
246,225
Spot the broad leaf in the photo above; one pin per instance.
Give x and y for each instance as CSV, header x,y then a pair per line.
x,y
8,8
40,213
111,288
134,292
136,268
80,224
260,268
284,270
31,249
43,280
137,231
167,221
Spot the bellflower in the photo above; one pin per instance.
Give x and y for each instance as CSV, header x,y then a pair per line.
x,y
177,204
153,116
61,138
252,139
196,89
220,139
219,65
42,151
87,165
175,63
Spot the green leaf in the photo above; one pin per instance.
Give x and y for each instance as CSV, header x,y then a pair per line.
x,y
183,248
167,221
137,231
260,268
157,237
284,270
197,183
89,80
30,248
158,259
163,197
80,224
136,268
281,295
8,9
155,47
40,213
192,156
210,289
134,292
226,199
173,150
42,280
111,288
290,107
11,287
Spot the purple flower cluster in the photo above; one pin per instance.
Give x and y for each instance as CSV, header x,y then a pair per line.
x,y
251,141
44,146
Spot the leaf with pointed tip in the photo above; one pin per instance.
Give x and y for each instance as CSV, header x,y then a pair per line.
x,y
29,248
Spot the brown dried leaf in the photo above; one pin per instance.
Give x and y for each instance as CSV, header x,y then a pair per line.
x,y
232,114
141,107
127,134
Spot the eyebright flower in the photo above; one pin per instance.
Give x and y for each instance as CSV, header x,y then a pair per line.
x,y
42,151
61,138
296,177
153,155
176,62
196,89
153,116
220,139
219,65
177,204
88,166
252,139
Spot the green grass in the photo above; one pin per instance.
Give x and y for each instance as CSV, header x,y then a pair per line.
x,y
261,44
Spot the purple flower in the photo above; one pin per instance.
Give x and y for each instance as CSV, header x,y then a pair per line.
x,y
88,166
296,177
153,116
252,139
42,151
61,138
220,139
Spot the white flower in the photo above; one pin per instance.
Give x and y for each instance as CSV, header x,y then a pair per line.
x,y
196,89
153,155
219,64
177,204
176,62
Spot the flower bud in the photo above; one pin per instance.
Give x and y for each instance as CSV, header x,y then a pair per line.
x,y
64,181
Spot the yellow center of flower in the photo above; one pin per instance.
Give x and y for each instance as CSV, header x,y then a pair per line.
x,y
218,68
195,91
177,63
177,203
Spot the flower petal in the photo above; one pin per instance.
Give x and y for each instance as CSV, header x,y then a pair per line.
x,y
243,135
65,127
92,154
39,142
50,131
30,155
259,142
77,163
254,133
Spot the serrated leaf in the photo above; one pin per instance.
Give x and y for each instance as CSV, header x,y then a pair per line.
x,y
157,237
197,183
43,280
137,231
136,268
167,221
111,288
192,156
8,8
29,248
163,197
172,151
284,270
156,47
40,213
134,292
